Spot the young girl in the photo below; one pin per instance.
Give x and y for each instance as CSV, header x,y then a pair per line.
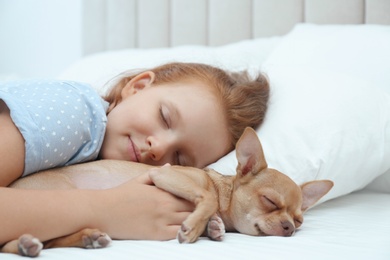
x,y
180,113
47,124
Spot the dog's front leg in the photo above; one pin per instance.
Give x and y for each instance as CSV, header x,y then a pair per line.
x,y
215,228
192,185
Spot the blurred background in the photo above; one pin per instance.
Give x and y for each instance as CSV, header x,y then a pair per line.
x,y
38,38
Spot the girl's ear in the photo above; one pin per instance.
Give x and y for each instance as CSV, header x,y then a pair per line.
x,y
139,82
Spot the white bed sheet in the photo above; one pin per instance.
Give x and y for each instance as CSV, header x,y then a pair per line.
x,y
355,226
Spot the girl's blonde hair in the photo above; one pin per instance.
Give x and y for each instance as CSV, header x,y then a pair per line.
x,y
244,99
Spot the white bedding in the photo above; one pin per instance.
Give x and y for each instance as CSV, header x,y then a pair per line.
x,y
355,226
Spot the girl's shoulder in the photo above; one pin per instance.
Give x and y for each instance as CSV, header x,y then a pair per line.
x,y
43,89
37,92
45,85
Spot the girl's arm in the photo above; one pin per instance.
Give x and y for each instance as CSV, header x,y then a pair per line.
x,y
11,148
134,210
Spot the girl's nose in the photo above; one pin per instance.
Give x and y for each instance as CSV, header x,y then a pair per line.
x,y
157,148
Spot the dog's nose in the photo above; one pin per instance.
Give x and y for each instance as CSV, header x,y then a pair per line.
x,y
288,228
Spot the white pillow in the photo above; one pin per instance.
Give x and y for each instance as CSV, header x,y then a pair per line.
x,y
361,51
99,68
323,125
344,133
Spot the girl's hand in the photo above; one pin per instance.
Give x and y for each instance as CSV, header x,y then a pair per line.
x,y
139,210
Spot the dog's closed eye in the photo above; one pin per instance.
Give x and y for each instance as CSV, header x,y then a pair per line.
x,y
269,203
298,222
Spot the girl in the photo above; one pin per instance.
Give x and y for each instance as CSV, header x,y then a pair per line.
x,y
178,113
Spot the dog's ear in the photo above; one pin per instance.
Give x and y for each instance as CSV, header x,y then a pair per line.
x,y
313,191
249,154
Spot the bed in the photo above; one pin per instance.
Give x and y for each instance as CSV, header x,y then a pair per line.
x,y
328,62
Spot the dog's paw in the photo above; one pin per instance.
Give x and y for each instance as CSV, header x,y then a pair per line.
x,y
29,245
183,234
215,228
187,234
94,238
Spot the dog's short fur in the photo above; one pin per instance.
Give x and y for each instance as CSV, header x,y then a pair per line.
x,y
257,201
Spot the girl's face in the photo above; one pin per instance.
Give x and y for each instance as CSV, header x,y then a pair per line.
x,y
176,123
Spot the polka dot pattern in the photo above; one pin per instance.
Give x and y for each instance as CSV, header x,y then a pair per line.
x,y
62,122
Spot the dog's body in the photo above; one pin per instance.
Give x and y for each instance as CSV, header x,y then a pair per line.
x,y
256,201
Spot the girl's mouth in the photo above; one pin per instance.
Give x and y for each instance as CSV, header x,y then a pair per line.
x,y
133,151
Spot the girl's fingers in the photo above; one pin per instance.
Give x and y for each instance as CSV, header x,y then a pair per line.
x,y
144,179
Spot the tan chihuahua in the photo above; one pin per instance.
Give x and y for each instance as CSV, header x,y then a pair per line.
x,y
257,201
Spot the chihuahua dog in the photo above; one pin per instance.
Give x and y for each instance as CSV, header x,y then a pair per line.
x,y
257,201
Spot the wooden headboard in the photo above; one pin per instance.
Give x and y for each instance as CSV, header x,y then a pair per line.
x,y
118,24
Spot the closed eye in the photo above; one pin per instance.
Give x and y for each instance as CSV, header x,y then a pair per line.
x,y
269,203
164,116
298,222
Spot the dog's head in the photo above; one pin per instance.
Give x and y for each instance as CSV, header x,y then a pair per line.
x,y
265,201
